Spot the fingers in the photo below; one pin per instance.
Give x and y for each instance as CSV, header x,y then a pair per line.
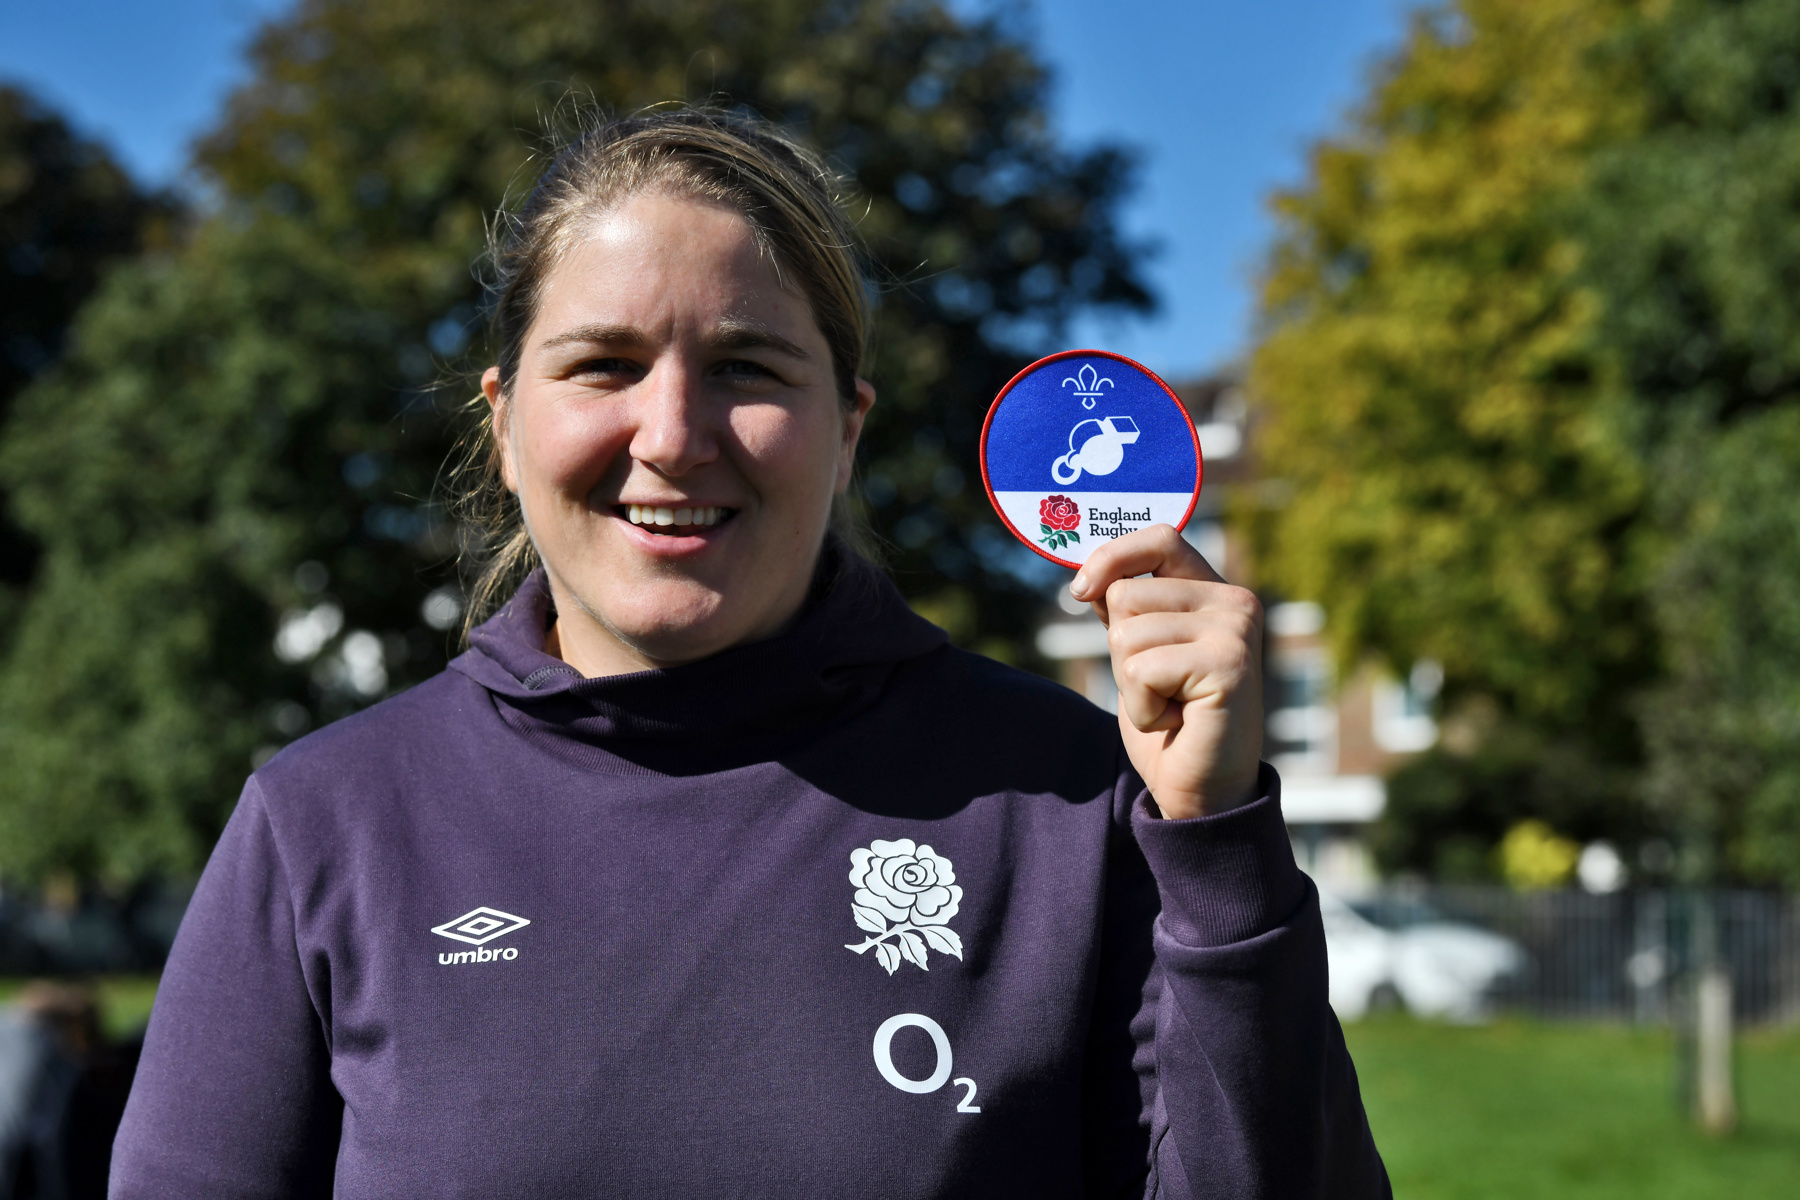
x,y
1158,550
1165,660
1233,631
1128,598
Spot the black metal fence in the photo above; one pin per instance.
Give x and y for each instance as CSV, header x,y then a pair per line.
x,y
1624,956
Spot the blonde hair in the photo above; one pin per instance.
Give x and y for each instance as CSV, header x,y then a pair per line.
x,y
787,194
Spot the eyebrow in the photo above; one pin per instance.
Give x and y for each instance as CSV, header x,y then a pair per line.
x,y
733,333
611,335
740,333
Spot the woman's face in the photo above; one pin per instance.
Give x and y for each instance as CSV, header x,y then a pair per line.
x,y
674,436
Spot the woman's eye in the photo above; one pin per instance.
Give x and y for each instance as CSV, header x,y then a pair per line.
x,y
612,367
740,368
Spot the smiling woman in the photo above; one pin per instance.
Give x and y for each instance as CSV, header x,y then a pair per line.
x,y
761,881
667,368
675,301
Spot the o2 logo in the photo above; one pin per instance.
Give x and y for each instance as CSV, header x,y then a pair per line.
x,y
884,1060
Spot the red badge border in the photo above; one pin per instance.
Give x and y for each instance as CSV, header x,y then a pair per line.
x,y
986,425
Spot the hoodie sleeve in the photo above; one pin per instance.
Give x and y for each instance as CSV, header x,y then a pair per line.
x,y
233,1096
1248,1089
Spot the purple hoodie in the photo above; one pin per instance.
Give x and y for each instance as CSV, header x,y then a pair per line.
x,y
845,913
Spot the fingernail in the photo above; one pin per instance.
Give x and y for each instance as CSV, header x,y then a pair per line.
x,y
1078,589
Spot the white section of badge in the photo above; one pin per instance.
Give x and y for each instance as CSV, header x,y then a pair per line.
x,y
1104,516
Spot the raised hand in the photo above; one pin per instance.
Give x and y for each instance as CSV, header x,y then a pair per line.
x,y
1187,655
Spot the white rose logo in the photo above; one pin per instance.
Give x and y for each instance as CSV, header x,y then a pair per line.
x,y
912,887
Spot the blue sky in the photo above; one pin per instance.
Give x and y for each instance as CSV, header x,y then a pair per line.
x,y
1221,96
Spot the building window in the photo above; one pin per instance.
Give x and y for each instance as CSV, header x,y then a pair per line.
x,y
1296,619
1302,724
1403,711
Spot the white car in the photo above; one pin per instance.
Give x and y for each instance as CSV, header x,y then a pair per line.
x,y
1433,966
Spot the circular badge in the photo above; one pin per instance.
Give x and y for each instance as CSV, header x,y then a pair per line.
x,y
1084,447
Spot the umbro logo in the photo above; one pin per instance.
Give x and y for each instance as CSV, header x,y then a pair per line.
x,y
476,927
479,925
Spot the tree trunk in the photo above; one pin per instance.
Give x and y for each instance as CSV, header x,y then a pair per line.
x,y
1715,1105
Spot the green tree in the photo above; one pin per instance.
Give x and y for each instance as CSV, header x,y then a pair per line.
x,y
1694,235
1531,372
1434,401
1441,416
1723,732
66,210
233,473
1448,811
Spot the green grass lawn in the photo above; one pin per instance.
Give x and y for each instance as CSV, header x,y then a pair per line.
x,y
1576,1112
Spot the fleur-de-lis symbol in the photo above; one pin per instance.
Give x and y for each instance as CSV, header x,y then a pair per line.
x,y
1087,383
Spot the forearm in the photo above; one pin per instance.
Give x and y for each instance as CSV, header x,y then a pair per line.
x,y
1257,1094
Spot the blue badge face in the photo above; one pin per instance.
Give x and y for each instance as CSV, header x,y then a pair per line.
x,y
1084,447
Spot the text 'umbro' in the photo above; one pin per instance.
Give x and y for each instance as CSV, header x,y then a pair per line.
x,y
482,955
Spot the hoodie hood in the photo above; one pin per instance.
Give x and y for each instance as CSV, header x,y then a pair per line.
x,y
854,631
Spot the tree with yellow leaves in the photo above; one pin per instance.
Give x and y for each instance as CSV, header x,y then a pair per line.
x,y
1441,415
1436,406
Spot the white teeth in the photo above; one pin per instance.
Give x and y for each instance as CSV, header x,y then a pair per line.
x,y
700,515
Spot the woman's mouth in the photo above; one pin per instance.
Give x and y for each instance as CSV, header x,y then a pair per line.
x,y
674,522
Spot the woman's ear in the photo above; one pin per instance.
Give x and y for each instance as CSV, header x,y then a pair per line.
x,y
853,426
498,412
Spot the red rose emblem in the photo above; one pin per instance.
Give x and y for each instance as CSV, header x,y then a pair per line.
x,y
1059,513
1059,518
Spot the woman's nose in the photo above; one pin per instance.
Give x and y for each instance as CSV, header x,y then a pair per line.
x,y
673,434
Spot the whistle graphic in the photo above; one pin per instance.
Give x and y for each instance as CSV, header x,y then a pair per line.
x,y
1098,451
